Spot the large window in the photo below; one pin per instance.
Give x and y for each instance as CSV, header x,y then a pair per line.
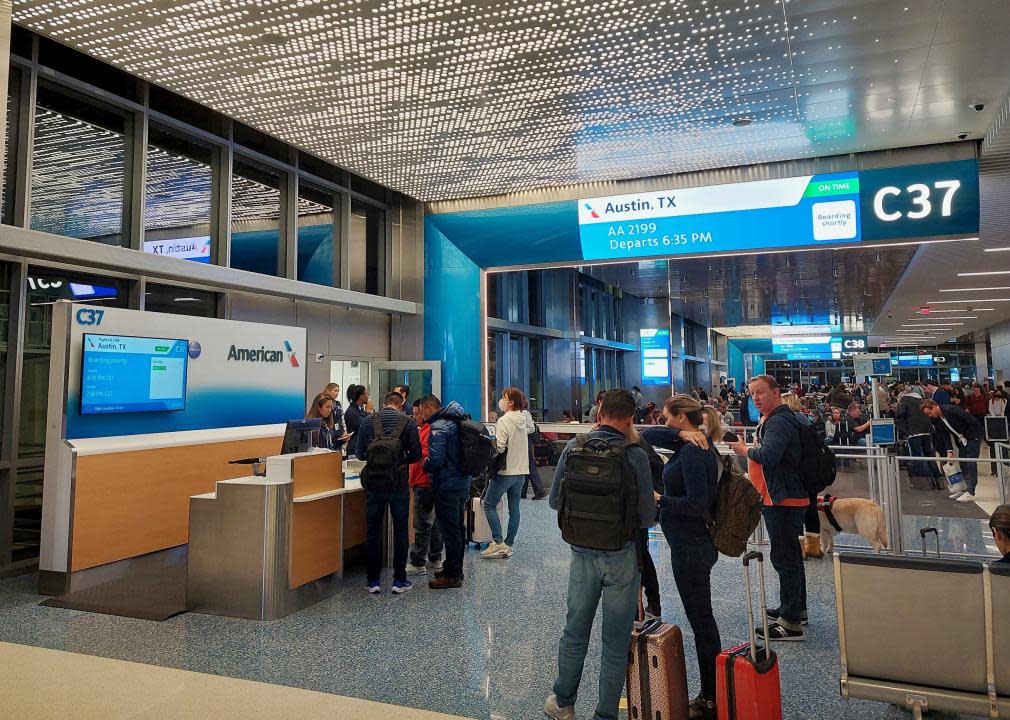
x,y
78,168
177,205
255,218
27,535
367,248
10,148
180,300
317,259
45,287
5,314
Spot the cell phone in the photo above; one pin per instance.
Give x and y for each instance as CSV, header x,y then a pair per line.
x,y
730,437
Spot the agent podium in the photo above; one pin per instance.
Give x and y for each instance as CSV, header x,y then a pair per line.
x,y
265,547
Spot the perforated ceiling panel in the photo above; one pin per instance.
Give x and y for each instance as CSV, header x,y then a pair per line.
x,y
459,98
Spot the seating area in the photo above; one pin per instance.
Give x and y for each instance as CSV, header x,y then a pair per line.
x,y
926,634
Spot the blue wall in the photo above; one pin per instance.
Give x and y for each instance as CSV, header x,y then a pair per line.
x,y
452,318
737,349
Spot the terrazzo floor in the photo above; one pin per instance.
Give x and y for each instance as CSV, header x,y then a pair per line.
x,y
485,651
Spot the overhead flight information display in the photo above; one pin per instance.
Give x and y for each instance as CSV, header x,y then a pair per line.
x,y
827,209
123,374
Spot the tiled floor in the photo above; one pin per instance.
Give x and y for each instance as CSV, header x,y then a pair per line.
x,y
39,684
486,651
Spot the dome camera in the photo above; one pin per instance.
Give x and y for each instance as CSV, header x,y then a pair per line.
x,y
962,136
977,107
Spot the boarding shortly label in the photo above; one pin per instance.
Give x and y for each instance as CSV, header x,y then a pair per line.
x,y
786,212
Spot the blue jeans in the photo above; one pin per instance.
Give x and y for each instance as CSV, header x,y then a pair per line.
x,y
785,525
427,538
502,484
593,574
693,560
450,513
922,446
399,507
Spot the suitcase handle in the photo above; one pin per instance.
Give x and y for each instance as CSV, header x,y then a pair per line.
x,y
923,532
755,555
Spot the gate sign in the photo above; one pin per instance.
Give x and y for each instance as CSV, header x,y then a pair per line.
x,y
829,209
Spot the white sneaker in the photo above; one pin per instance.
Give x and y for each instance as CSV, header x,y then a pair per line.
x,y
494,551
555,712
956,495
966,498
415,570
436,567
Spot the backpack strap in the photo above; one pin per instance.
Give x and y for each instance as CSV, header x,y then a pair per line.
x,y
377,426
400,426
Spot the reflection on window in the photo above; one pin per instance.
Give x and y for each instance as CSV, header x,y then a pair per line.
x,y
78,169
44,287
9,153
316,260
177,212
367,256
255,218
179,300
27,514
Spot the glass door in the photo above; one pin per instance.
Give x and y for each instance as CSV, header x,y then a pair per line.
x,y
423,377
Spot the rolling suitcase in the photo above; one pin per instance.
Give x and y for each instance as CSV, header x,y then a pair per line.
x,y
657,674
747,679
478,531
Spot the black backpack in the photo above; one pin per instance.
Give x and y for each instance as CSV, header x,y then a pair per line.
x,y
477,448
817,461
384,469
598,497
819,428
737,511
656,464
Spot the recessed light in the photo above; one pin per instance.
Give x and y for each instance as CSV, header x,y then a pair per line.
x,y
976,289
986,272
186,299
966,300
974,309
956,317
1006,249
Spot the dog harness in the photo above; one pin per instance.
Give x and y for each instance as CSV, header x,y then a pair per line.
x,y
824,505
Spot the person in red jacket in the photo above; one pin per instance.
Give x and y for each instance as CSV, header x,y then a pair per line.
x,y
427,538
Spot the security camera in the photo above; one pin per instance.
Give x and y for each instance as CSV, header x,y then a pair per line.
x,y
320,357
969,308
962,136
977,107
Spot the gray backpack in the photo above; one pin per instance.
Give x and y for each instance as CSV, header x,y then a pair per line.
x,y
737,512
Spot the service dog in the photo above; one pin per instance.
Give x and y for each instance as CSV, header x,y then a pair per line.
x,y
851,515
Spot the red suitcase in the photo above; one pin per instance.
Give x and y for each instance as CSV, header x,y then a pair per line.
x,y
657,674
747,681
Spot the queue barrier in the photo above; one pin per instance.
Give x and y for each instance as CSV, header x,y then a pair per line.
x,y
947,650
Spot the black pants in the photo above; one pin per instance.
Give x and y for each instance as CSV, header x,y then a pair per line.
x,y
534,476
693,560
450,513
812,521
650,580
398,503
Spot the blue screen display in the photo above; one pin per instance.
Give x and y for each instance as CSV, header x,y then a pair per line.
x,y
121,374
655,356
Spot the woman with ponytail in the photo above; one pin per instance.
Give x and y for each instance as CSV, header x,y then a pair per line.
x,y
688,498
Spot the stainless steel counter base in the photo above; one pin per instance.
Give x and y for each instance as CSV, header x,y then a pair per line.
x,y
239,547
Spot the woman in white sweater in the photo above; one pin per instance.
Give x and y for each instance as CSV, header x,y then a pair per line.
x,y
510,435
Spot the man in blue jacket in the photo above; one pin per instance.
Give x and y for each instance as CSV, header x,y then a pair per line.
x,y
397,499
778,452
594,573
449,485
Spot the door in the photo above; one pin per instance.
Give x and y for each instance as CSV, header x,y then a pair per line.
x,y
424,377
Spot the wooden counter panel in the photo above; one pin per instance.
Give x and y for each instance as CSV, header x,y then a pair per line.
x,y
132,503
317,473
315,541
355,520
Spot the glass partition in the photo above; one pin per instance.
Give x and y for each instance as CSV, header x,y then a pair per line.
x,y
317,259
367,248
78,168
255,218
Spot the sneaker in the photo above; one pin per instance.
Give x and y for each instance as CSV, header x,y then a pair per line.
x,y
436,566
966,498
413,569
506,550
956,495
555,711
773,616
495,551
373,588
778,632
702,709
444,583
401,586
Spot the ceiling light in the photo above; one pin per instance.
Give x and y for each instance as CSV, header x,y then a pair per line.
x,y
1003,249
976,289
938,326
956,317
985,272
966,300
974,309
186,299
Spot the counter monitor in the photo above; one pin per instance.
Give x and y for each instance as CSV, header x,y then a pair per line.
x,y
123,374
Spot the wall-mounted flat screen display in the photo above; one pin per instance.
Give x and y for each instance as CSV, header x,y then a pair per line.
x,y
124,374
655,356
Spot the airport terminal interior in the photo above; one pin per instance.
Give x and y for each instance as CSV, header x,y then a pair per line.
x,y
240,239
